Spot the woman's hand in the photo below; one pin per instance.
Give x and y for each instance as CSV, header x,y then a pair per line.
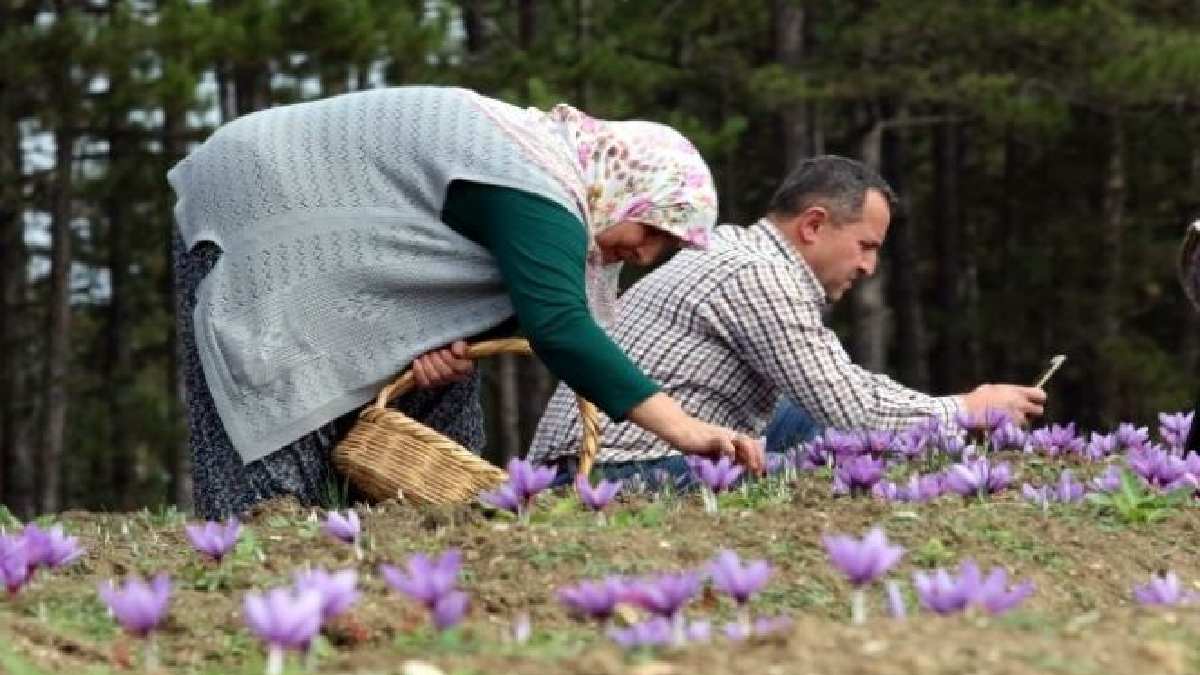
x,y
662,416
444,366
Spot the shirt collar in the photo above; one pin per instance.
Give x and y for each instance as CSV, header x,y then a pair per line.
x,y
767,230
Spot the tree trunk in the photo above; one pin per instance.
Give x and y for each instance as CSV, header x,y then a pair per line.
x,y
58,324
869,311
176,452
795,119
947,371
904,284
119,381
1111,273
508,407
12,285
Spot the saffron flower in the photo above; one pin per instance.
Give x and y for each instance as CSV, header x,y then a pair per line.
x,y
1174,428
941,593
736,579
213,539
1130,436
49,548
1164,591
427,580
432,583
338,590
717,476
664,594
345,528
1008,436
1066,491
449,610
1056,440
1098,447
977,477
14,563
598,497
857,475
285,619
1109,481
862,561
524,483
138,606
593,599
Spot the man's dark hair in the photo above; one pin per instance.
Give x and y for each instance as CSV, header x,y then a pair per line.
x,y
837,183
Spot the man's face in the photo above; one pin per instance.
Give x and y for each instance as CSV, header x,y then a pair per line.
x,y
841,254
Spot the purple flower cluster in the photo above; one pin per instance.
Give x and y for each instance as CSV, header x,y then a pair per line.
x,y
943,593
718,476
21,555
918,489
857,475
978,477
1066,491
433,583
1056,440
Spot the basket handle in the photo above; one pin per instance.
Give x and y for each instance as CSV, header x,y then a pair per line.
x,y
588,415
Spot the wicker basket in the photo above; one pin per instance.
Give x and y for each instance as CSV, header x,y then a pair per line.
x,y
387,454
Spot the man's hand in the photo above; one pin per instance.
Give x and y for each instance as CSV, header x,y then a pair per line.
x,y
1021,403
662,416
443,366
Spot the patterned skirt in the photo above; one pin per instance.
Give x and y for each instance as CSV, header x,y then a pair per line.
x,y
223,485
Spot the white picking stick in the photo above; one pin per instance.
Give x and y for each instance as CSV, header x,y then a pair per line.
x,y
1056,362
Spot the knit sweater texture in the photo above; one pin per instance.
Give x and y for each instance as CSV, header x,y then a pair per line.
x,y
336,269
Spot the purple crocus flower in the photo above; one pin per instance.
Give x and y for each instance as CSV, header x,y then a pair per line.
x,y
139,607
1008,436
717,476
856,475
449,610
995,597
1174,428
524,483
1056,440
14,563
918,489
942,593
862,560
346,528
1108,481
1066,491
285,619
977,477
1130,436
1099,447
595,498
213,539
528,480
337,590
1164,591
735,579
593,599
50,548
664,594
879,442
983,424
1157,467
427,580
953,445
655,632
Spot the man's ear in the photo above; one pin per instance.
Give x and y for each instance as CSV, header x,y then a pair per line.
x,y
810,223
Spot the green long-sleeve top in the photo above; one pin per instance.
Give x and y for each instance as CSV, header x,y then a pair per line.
x,y
541,249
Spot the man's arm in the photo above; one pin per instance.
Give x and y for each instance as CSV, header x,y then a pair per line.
x,y
778,329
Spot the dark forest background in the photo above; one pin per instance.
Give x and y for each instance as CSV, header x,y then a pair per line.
x,y
1047,154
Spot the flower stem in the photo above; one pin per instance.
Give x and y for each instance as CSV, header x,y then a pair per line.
x,y
601,519
150,654
274,660
678,638
858,607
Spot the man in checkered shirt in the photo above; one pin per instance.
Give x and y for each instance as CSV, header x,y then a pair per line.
x,y
731,330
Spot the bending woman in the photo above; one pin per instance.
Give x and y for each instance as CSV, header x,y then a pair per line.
x,y
324,246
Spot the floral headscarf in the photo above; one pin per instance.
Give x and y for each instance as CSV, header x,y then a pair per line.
x,y
616,171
